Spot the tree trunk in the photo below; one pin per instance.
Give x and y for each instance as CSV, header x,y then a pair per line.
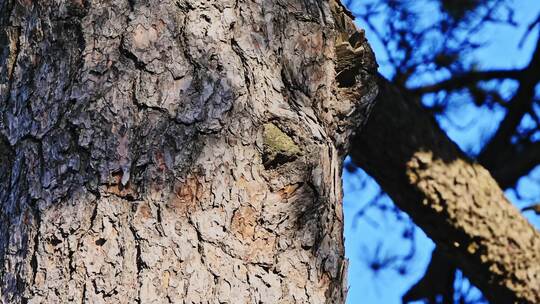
x,y
176,151
455,200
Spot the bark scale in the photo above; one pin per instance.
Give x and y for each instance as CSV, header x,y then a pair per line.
x,y
452,198
176,151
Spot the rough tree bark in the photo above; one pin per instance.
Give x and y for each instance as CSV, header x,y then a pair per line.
x,y
454,199
176,151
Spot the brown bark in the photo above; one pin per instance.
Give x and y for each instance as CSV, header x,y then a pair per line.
x,y
176,151
452,198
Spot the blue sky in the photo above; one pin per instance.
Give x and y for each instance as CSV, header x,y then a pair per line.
x,y
379,233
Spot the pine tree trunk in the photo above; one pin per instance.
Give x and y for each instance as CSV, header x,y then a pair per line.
x,y
176,151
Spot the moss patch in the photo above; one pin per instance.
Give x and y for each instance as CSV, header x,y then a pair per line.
x,y
278,146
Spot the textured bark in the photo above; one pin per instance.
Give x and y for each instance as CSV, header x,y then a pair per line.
x,y
452,198
176,151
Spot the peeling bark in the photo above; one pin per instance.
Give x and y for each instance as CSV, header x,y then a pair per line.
x,y
132,138
454,199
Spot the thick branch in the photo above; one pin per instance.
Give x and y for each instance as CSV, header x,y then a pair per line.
x,y
453,199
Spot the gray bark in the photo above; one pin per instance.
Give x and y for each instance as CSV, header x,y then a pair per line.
x,y
176,151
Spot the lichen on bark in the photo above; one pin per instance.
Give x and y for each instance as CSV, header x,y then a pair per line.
x,y
278,146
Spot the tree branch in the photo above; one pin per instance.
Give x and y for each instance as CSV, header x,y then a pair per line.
x,y
452,198
518,106
516,165
462,80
